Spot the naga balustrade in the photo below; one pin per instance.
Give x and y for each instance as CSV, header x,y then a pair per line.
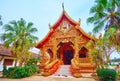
x,y
82,65
50,68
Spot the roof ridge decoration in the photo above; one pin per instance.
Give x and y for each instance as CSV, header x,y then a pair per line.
x,y
63,14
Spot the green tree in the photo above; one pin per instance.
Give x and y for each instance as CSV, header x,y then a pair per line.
x,y
18,34
106,13
101,51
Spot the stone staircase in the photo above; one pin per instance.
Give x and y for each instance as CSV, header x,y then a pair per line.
x,y
63,71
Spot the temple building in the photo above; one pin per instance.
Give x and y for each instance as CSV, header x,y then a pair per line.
x,y
65,44
8,59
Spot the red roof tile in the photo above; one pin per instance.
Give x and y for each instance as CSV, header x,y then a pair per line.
x,y
5,51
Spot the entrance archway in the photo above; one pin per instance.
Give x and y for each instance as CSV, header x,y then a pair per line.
x,y
65,52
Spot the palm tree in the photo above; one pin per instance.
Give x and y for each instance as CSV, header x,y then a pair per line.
x,y
19,35
106,13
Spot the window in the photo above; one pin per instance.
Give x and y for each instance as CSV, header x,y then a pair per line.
x,y
8,62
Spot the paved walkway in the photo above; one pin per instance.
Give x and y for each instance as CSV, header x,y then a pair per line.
x,y
41,78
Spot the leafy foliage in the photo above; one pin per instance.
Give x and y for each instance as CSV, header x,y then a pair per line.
x,y
100,51
19,35
5,71
20,72
107,74
16,72
33,61
106,13
30,70
113,37
22,52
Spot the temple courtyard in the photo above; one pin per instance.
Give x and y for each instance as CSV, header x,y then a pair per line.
x,y
41,78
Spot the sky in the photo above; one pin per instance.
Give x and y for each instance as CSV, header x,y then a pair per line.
x,y
43,12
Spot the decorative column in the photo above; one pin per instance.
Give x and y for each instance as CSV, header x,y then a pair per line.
x,y
76,47
54,48
42,61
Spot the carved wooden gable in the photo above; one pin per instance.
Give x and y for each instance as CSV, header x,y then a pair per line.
x,y
64,28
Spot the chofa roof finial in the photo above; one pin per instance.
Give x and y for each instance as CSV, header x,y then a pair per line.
x,y
49,26
63,6
79,21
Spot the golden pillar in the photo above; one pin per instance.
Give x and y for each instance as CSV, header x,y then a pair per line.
x,y
76,46
42,52
54,48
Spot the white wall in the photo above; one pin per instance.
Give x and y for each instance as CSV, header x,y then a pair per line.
x,y
1,65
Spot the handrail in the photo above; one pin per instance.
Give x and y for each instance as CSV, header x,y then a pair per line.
x,y
51,68
51,64
85,60
79,65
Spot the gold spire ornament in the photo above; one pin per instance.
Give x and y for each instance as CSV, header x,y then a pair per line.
x,y
79,21
49,26
63,6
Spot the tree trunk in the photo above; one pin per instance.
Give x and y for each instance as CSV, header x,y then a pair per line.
x,y
15,63
118,37
107,59
20,63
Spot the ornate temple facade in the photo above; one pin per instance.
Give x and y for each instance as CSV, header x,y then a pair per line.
x,y
65,41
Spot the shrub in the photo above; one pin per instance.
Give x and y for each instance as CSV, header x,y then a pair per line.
x,y
107,74
16,72
5,71
30,70
11,72
20,72
33,61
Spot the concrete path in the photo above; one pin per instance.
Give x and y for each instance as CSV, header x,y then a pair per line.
x,y
41,78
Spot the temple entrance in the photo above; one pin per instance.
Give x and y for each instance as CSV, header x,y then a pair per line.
x,y
65,52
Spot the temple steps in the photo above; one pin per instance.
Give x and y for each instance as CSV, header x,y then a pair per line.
x,y
64,70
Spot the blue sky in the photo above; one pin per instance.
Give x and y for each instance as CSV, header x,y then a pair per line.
x,y
43,12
